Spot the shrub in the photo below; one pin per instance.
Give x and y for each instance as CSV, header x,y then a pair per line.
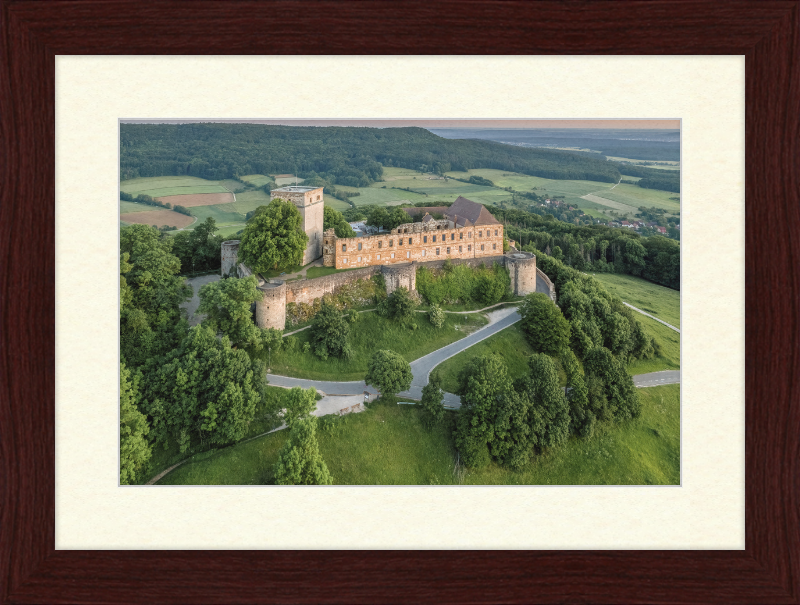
x,y
388,372
401,304
436,316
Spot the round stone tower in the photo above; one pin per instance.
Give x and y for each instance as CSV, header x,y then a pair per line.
x,y
271,309
397,276
230,253
522,271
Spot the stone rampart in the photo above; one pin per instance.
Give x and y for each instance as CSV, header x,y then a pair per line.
x,y
522,271
230,252
549,283
400,276
271,309
307,290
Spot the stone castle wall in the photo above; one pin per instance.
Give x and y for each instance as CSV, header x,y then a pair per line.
x,y
522,271
308,290
230,252
271,309
413,242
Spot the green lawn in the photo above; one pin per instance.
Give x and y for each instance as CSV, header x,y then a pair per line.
x,y
335,203
389,445
144,185
369,334
322,271
510,344
660,301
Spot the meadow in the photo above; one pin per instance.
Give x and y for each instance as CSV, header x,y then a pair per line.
x,y
127,207
662,302
257,180
509,344
388,444
158,218
159,186
670,342
369,334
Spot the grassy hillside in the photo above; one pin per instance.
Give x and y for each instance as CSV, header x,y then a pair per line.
x,y
369,334
662,302
389,445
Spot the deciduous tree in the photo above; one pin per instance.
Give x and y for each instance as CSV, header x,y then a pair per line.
x,y
134,449
432,402
329,333
299,461
227,304
388,372
273,238
544,326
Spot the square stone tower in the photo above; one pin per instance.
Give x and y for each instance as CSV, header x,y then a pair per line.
x,y
310,203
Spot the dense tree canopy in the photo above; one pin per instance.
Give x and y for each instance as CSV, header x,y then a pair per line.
x,y
203,391
198,248
273,238
151,322
134,448
343,156
333,219
226,304
544,326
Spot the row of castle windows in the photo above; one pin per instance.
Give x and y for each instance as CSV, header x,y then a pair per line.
x,y
424,252
425,239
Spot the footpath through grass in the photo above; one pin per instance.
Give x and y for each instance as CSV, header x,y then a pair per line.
x,y
389,445
659,301
369,334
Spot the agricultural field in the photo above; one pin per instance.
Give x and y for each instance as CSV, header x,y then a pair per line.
x,y
382,197
595,198
660,164
335,203
127,207
660,301
639,196
162,186
287,179
389,445
197,199
369,334
158,218
257,180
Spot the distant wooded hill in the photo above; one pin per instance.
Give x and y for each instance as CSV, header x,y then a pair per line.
x,y
342,156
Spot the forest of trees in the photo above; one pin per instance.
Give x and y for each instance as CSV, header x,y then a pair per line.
x,y
595,248
342,156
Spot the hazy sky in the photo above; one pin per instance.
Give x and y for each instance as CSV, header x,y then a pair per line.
x,y
434,123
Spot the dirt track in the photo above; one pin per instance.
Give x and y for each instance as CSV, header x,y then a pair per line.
x,y
197,199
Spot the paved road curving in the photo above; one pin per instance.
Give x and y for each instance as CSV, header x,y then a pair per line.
x,y
657,379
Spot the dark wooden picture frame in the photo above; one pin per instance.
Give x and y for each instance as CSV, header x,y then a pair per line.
x,y
33,33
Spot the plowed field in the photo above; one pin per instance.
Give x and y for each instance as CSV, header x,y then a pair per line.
x,y
197,199
158,218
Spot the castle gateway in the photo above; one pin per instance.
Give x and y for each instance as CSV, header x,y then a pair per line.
x,y
467,230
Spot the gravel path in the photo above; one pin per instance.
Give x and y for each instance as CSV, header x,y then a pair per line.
x,y
652,317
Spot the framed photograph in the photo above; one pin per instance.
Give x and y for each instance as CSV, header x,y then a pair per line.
x,y
71,533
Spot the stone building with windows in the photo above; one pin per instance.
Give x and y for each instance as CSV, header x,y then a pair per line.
x,y
467,230
468,234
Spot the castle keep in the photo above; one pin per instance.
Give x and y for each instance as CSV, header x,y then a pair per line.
x,y
468,234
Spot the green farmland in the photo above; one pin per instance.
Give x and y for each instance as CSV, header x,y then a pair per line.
x,y
662,302
389,445
162,186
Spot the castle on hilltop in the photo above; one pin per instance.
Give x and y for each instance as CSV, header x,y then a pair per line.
x,y
467,234
467,230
